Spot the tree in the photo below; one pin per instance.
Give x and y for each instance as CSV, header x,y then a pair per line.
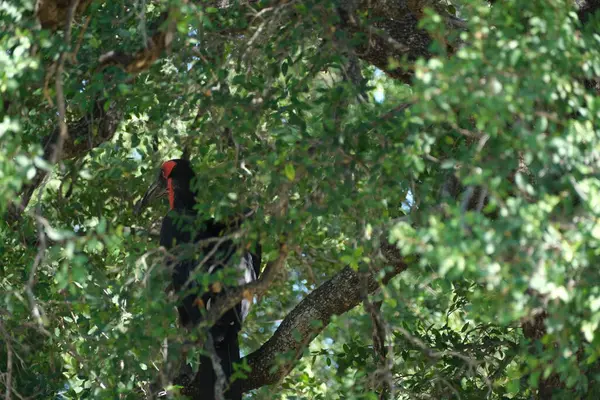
x,y
424,175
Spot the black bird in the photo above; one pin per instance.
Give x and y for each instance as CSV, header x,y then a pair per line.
x,y
179,229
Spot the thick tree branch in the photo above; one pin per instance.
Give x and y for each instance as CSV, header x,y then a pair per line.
x,y
336,296
387,42
339,294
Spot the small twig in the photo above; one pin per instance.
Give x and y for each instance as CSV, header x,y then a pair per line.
x,y
472,363
63,132
481,201
465,132
503,364
261,27
276,12
578,189
257,287
383,352
221,380
390,114
433,353
80,40
218,242
260,13
142,262
35,310
466,199
482,142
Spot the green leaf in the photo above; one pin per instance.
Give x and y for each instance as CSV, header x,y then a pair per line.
x,y
290,172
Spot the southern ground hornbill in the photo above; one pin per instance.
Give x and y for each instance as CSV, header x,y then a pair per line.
x,y
208,251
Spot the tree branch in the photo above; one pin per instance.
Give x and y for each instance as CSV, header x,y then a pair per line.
x,y
339,294
392,37
258,287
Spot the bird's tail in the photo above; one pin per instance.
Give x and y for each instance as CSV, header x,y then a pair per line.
x,y
228,351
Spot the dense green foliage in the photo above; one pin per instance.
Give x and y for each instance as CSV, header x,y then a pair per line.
x,y
487,183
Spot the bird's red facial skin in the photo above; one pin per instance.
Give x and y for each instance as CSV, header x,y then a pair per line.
x,y
167,168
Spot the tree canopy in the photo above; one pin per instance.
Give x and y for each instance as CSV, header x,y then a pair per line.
x,y
423,176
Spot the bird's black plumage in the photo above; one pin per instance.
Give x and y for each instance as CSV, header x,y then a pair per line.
x,y
206,245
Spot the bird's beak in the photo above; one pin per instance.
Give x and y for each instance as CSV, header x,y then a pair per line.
x,y
156,190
